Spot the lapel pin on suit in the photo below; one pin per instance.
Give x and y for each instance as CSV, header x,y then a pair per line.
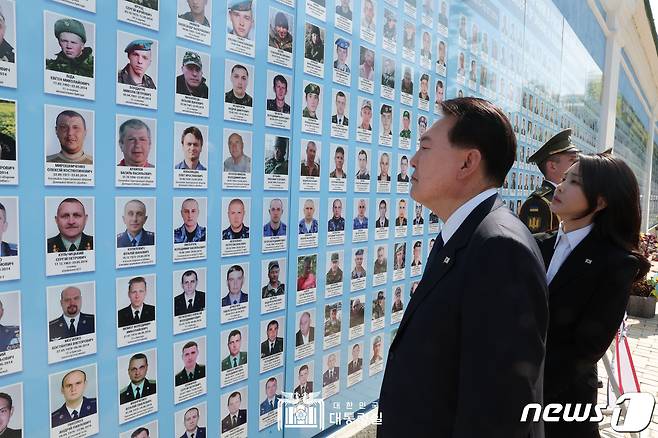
x,y
446,260
588,261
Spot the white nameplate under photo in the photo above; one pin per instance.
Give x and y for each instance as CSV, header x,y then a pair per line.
x,y
306,296
87,423
376,367
316,9
140,15
335,237
86,5
331,340
65,342
131,405
136,326
354,378
383,186
11,349
343,22
63,255
333,290
379,279
188,28
357,284
360,235
128,92
59,77
309,240
381,233
363,135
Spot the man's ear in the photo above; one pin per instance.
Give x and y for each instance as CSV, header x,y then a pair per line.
x,y
601,203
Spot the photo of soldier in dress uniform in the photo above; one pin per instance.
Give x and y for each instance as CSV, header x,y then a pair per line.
x,y
73,395
71,220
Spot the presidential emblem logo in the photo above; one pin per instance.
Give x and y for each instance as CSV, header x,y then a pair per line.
x,y
306,411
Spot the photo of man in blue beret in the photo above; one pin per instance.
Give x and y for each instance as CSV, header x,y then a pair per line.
x,y
139,60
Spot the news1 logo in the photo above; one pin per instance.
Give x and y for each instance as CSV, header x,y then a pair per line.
x,y
639,411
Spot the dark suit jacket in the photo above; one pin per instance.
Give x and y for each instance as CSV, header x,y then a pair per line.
x,y
379,224
12,433
486,288
180,303
325,377
7,251
199,373
200,433
587,300
351,368
334,119
126,315
309,388
265,347
227,422
55,244
123,239
127,394
59,328
61,416
298,336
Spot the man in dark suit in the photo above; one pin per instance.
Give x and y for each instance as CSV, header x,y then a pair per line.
x,y
305,386
333,372
138,311
72,322
71,220
76,405
6,249
191,369
273,344
192,428
356,364
306,333
382,220
236,416
191,300
6,412
497,333
139,385
9,334
134,217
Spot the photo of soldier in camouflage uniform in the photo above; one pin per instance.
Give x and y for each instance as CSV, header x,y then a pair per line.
x,y
73,58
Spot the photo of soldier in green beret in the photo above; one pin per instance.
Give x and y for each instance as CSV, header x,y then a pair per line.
x,y
74,57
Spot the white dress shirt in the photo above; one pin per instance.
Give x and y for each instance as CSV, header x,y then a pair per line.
x,y
76,320
564,244
459,216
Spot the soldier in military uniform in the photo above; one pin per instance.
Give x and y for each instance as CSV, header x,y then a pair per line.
x,y
73,58
191,369
335,274
388,73
236,229
340,118
139,385
74,400
378,306
358,271
71,220
139,60
274,287
134,217
390,25
239,81
406,122
278,104
277,164
280,37
312,96
337,222
9,334
313,46
553,160
6,50
423,94
366,115
72,322
192,82
309,167
6,412
190,231
386,114
197,12
241,17
340,63
6,249
332,325
407,85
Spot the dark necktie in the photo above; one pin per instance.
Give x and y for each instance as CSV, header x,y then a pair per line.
x,y
137,394
192,435
271,347
133,242
303,391
271,404
72,327
137,315
235,362
191,376
74,415
235,301
189,304
235,421
72,247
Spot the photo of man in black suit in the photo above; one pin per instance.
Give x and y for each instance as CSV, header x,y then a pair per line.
x,y
306,332
356,364
273,344
139,385
137,311
190,300
236,416
500,348
72,322
305,386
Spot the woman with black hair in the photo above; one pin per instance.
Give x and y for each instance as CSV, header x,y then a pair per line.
x,y
591,262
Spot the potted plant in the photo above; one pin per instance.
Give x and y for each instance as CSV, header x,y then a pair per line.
x,y
642,301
